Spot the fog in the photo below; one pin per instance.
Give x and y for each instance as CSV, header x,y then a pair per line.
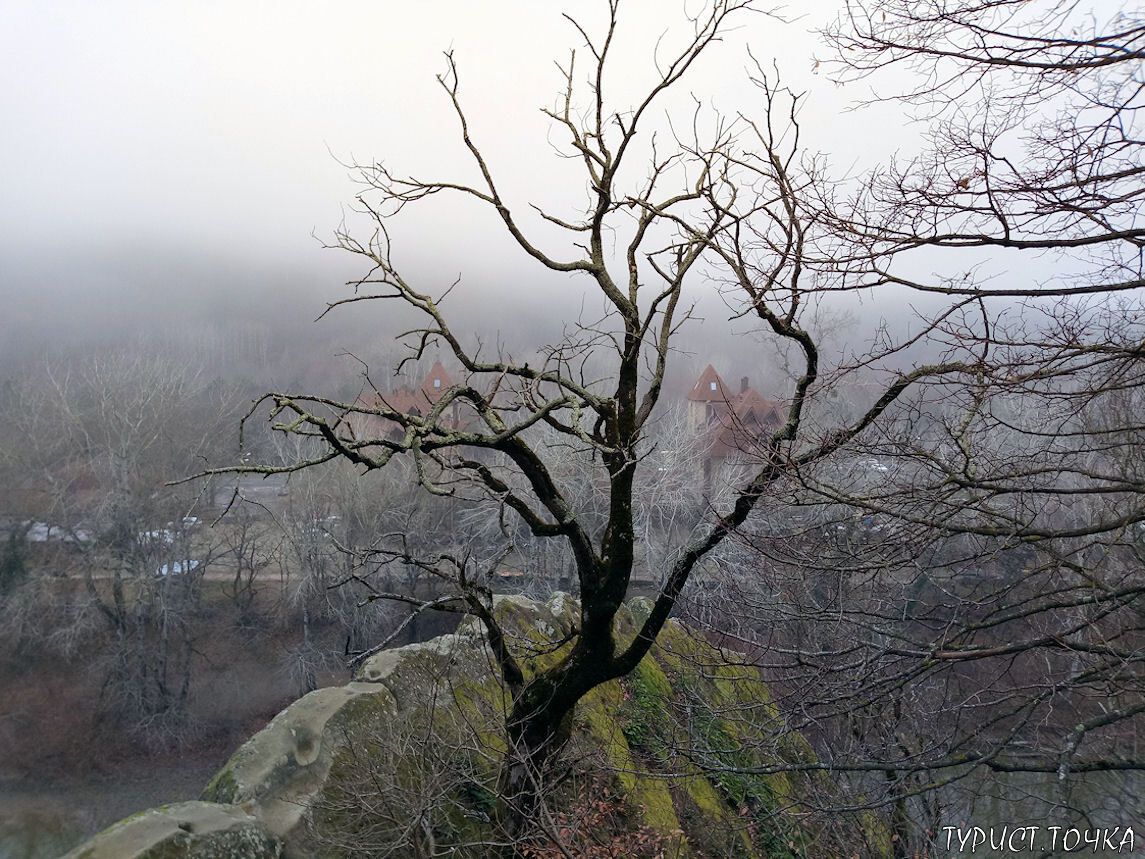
x,y
174,182
174,168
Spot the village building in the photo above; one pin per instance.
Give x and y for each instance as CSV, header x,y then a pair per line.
x,y
727,423
731,422
417,402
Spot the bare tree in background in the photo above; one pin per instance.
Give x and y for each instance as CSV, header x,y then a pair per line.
x,y
96,442
962,597
986,408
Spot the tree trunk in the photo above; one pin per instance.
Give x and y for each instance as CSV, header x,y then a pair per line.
x,y
536,736
539,724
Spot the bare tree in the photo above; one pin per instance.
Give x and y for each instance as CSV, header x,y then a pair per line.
x,y
734,201
97,440
250,545
958,598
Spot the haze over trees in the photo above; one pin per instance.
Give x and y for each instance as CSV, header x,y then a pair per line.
x,y
934,552
994,438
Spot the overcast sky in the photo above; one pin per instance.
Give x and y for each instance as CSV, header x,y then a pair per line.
x,y
211,129
211,124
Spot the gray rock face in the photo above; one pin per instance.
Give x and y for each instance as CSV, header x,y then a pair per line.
x,y
203,830
410,752
276,773
266,795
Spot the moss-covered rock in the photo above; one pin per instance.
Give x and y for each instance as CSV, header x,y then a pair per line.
x,y
276,773
673,759
203,830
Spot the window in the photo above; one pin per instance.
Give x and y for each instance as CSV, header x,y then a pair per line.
x,y
437,383
713,384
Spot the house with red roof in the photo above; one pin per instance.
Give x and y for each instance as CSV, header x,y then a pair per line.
x,y
411,401
734,422
727,422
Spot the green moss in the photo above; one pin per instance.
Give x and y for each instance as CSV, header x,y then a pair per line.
x,y
359,719
643,715
221,788
655,802
717,832
685,695
478,797
482,707
597,717
441,744
731,748
595,713
877,835
242,842
701,792
800,750
639,608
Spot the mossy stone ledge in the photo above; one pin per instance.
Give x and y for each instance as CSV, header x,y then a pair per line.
x,y
675,746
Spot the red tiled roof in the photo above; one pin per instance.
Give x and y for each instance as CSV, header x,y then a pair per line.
x,y
401,400
710,388
737,422
435,384
752,407
417,402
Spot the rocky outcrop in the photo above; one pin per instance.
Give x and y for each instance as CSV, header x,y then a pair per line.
x,y
200,829
277,773
671,758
